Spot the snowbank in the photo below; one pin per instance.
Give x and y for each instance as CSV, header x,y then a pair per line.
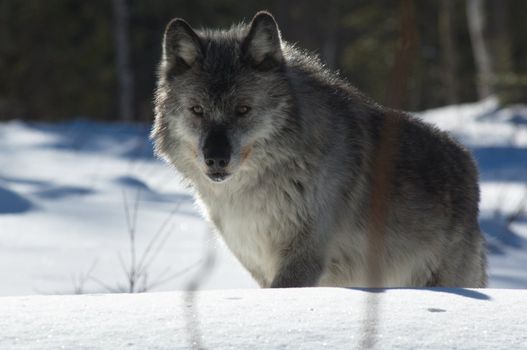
x,y
312,318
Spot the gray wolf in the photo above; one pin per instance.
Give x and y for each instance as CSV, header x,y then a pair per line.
x,y
280,153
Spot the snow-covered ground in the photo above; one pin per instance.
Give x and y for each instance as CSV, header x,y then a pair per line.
x,y
63,193
64,190
308,318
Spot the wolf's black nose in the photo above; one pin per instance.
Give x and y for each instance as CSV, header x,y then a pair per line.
x,y
217,150
217,163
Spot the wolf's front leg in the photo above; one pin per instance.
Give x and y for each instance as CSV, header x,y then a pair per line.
x,y
299,269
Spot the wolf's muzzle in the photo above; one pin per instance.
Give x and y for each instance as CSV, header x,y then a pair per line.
x,y
217,154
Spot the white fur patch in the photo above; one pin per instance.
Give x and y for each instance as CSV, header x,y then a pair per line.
x,y
263,44
187,51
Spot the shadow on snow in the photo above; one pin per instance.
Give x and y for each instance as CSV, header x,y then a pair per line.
x,y
464,292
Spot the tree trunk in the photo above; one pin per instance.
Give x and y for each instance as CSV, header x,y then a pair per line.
x,y
449,54
476,26
329,47
507,86
122,60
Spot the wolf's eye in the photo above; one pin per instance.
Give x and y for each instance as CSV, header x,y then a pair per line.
x,y
197,110
242,110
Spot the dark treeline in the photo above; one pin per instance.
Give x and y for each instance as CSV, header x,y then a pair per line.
x,y
58,57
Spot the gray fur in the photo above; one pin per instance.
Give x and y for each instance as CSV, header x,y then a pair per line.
x,y
294,205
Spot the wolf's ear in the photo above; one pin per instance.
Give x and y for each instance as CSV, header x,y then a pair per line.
x,y
182,47
263,45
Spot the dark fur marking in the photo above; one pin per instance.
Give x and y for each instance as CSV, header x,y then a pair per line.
x,y
221,65
299,186
267,64
433,281
346,257
178,67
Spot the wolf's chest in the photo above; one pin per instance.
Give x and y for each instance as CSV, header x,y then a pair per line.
x,y
251,230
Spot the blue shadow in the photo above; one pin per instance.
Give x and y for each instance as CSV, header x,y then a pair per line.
x,y
501,163
467,293
13,203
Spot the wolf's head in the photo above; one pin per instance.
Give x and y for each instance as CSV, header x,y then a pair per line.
x,y
221,96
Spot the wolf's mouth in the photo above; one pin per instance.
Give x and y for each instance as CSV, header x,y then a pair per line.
x,y
218,176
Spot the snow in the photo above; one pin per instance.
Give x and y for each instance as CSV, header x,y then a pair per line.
x,y
62,212
63,189
308,318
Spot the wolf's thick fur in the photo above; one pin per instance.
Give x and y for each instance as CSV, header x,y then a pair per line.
x,y
280,154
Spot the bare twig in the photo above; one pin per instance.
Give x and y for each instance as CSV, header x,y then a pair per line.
x,y
131,221
105,286
500,199
137,271
80,280
520,209
160,280
383,168
190,310
142,261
